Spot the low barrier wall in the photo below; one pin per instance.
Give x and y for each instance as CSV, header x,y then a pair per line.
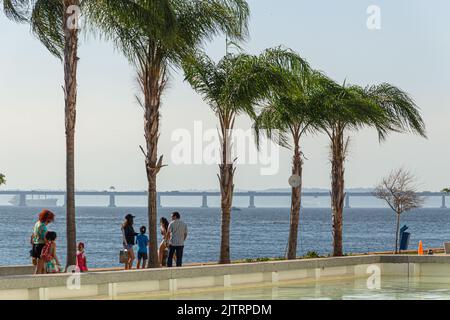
x,y
111,284
16,270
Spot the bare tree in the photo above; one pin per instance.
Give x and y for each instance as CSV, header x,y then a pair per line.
x,y
400,192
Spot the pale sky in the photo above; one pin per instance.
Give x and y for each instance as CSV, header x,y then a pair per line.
x,y
411,50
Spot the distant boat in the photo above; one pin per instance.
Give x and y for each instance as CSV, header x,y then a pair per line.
x,y
40,202
236,209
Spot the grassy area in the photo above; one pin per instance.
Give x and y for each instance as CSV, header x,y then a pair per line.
x,y
309,255
315,255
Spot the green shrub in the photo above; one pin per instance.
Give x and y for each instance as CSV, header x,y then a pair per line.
x,y
311,255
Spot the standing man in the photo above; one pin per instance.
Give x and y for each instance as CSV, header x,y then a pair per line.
x,y
177,236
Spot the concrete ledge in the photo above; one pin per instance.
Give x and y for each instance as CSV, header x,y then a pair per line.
x,y
16,270
110,284
414,259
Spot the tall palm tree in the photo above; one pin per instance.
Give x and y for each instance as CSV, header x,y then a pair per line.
x,y
56,24
286,117
156,36
343,108
230,87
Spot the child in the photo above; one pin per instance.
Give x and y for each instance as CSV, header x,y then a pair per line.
x,y
48,254
81,258
142,241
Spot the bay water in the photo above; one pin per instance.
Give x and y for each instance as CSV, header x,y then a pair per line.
x,y
255,233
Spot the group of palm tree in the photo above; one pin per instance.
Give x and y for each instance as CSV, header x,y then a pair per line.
x,y
284,96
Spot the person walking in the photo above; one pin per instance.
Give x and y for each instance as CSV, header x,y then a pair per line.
x,y
177,235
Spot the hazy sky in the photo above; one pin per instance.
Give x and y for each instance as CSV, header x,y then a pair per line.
x,y
411,50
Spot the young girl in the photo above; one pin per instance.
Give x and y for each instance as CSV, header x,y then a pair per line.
x,y
81,258
48,254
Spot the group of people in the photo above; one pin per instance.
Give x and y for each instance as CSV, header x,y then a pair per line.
x,y
174,234
171,247
43,247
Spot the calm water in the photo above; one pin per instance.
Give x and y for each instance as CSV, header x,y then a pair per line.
x,y
392,288
254,232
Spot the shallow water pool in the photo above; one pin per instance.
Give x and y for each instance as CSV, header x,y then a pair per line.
x,y
391,288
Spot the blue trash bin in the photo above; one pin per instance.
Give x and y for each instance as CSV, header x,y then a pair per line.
x,y
404,238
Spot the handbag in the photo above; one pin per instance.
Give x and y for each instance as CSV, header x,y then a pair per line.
x,y
123,254
52,266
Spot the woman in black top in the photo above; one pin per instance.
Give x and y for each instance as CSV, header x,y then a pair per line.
x,y
129,236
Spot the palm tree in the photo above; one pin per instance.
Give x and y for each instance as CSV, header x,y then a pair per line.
x,y
342,108
230,87
55,24
156,36
286,117
2,179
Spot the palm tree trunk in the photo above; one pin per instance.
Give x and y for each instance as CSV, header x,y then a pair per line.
x,y
152,216
397,234
70,90
152,79
226,188
295,201
337,190
151,120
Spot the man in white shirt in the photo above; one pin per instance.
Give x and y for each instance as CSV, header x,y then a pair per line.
x,y
177,235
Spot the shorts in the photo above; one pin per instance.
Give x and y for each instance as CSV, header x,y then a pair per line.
x,y
36,251
128,246
142,255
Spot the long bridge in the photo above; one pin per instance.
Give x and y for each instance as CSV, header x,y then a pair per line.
x,y
251,195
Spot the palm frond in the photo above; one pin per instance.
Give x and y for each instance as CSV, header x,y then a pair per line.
x,y
402,114
16,10
172,29
46,20
287,109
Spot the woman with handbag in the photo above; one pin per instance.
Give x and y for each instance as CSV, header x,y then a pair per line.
x,y
129,235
